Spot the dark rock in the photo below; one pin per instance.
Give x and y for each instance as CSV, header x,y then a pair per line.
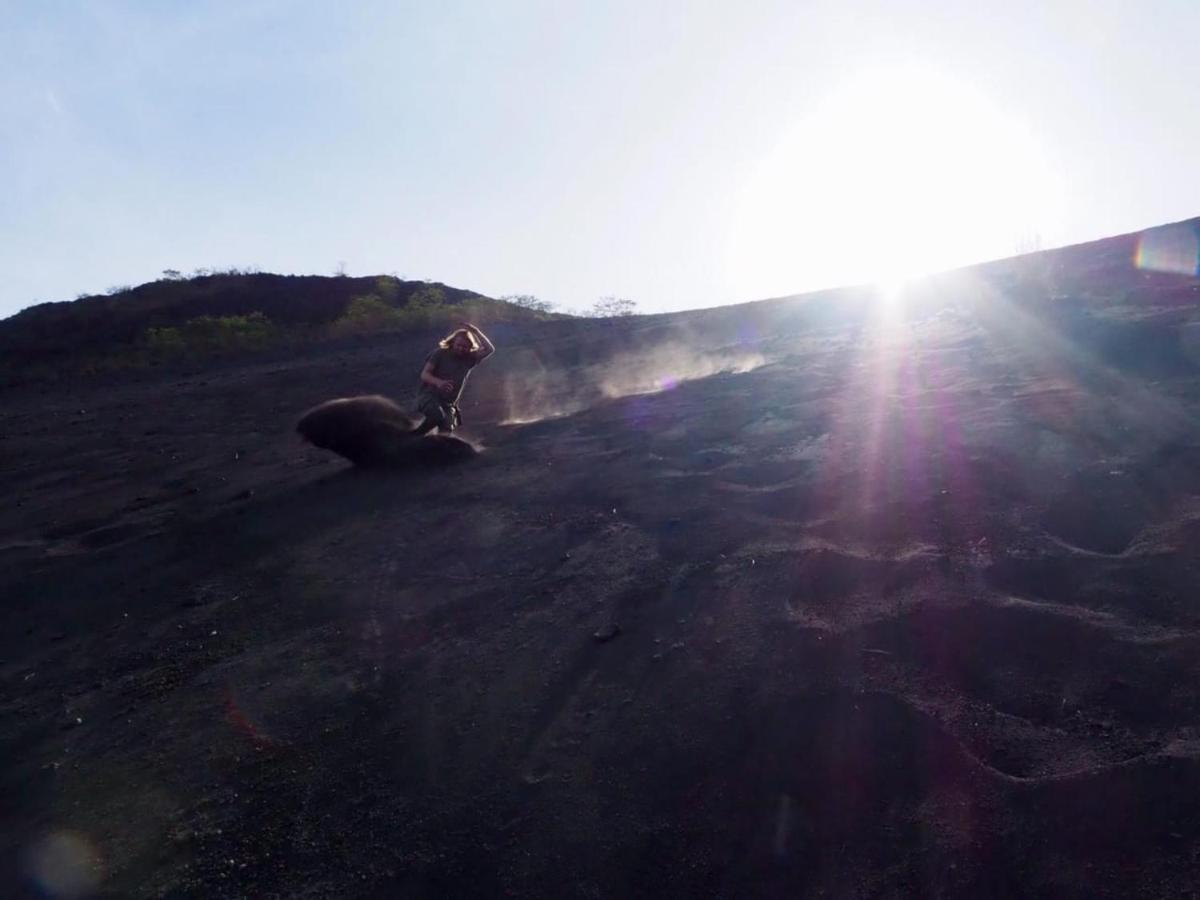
x,y
607,632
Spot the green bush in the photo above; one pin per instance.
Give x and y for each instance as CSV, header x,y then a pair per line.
x,y
217,333
165,341
387,289
426,306
210,335
366,314
427,298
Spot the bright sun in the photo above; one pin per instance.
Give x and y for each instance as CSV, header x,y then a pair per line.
x,y
900,172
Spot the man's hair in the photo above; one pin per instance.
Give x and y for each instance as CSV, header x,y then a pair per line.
x,y
445,342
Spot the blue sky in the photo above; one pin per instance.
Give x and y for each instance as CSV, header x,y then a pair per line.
x,y
679,154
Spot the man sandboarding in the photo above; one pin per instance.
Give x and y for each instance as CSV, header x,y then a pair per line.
x,y
445,374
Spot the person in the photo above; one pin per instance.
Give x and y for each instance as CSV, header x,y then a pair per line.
x,y
445,374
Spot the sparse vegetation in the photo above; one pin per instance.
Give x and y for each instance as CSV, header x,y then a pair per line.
x,y
212,335
608,307
530,302
427,298
388,288
186,319
380,311
367,314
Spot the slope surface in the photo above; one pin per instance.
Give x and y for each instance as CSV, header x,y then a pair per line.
x,y
785,600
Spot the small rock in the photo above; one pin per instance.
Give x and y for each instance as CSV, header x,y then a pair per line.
x,y
72,723
607,633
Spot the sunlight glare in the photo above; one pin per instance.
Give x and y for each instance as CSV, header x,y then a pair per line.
x,y
887,318
898,173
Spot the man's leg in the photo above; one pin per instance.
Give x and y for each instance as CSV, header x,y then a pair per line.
x,y
435,417
450,420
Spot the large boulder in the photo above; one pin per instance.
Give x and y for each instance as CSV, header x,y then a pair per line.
x,y
374,431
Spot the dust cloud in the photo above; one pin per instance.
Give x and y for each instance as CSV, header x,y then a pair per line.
x,y
533,391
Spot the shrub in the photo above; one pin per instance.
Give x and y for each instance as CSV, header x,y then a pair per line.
x,y
367,313
165,341
607,307
387,288
251,331
528,301
426,298
208,335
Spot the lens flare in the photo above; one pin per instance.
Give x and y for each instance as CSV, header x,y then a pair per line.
x,y
65,865
1173,248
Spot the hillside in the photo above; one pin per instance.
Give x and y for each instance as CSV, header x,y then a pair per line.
x,y
820,596
53,338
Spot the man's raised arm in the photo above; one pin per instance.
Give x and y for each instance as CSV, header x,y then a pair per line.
x,y
487,347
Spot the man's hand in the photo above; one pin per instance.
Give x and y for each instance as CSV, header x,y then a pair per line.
x,y
486,347
446,387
